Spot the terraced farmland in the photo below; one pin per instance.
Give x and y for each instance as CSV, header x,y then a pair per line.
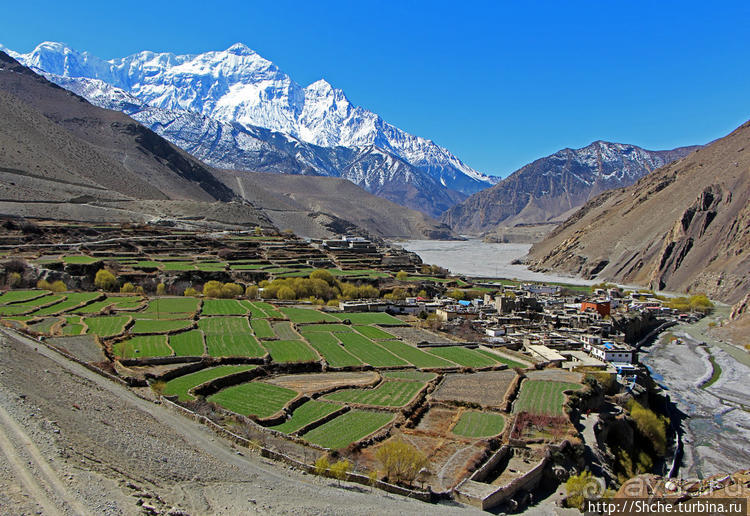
x,y
187,343
172,305
348,428
223,307
463,356
72,300
230,337
142,347
73,326
479,424
542,397
503,360
15,296
387,394
420,376
365,318
106,326
368,351
182,384
305,414
262,329
270,310
290,351
371,332
160,325
414,355
253,398
328,346
28,306
304,315
119,303
334,328
284,330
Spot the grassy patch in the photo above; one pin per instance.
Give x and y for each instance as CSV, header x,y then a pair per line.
x,y
106,326
262,329
253,398
387,394
306,414
463,356
172,305
181,385
374,333
290,351
543,397
347,428
715,374
328,346
159,325
187,343
368,351
414,355
303,315
223,307
479,424
369,318
143,346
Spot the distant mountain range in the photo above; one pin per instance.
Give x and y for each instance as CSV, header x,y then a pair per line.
x,y
552,187
63,158
235,109
685,227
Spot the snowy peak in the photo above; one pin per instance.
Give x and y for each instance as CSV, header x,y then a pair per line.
x,y
238,85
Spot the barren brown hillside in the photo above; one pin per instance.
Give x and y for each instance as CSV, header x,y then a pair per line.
x,y
685,227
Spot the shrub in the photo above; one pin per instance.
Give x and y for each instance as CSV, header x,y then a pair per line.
x,y
333,302
105,280
322,466
401,461
402,276
127,288
252,291
161,289
43,284
14,279
340,469
651,425
139,290
580,488
456,294
190,291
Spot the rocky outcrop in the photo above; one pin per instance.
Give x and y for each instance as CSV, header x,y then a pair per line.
x,y
684,227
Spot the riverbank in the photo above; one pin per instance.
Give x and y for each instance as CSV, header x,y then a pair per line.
x,y
716,424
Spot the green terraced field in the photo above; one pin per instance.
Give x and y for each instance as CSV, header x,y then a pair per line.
x,y
27,306
182,384
463,356
387,394
542,397
234,346
333,328
262,329
306,414
368,351
253,398
290,351
348,428
414,355
142,347
187,343
365,318
147,264
507,361
303,315
374,333
479,424
223,307
211,266
72,300
172,305
420,376
160,325
285,330
73,326
122,302
106,326
328,346
14,296
45,325
269,309
80,259
178,266
255,312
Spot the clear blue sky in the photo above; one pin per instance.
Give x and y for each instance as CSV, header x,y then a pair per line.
x,y
498,83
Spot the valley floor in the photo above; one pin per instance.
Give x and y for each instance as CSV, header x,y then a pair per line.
x,y
717,429
73,442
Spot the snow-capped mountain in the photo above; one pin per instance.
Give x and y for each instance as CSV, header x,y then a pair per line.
x,y
553,186
239,86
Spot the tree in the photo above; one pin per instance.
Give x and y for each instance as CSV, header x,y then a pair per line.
x,y
43,284
322,465
400,460
127,288
340,469
580,488
323,275
139,290
161,289
456,294
333,302
14,279
212,289
286,293
105,280
191,292
372,477
422,293
402,275
252,291
231,290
